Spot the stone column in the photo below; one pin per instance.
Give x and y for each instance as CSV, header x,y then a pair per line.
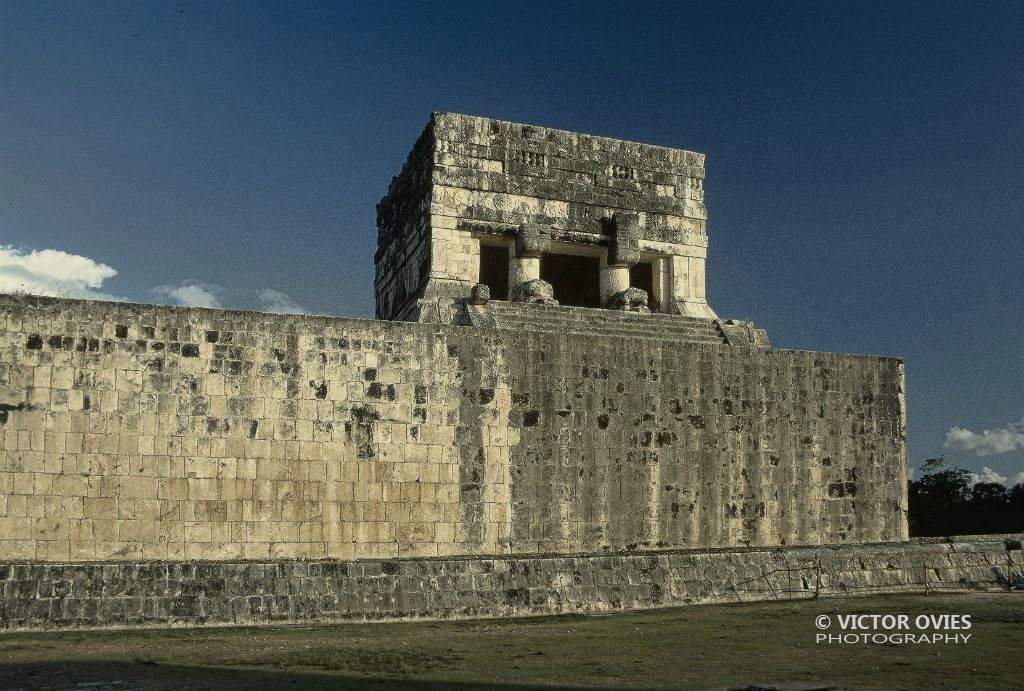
x,y
532,240
523,269
623,252
614,279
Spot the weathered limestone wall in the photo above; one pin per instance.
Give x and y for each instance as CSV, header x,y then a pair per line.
x,y
118,594
133,432
484,177
402,260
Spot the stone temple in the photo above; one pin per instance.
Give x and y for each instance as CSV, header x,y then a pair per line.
x,y
595,220
547,416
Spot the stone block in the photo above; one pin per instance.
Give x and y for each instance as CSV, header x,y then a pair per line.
x,y
624,241
536,291
532,240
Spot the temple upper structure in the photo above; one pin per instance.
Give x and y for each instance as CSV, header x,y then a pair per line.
x,y
491,210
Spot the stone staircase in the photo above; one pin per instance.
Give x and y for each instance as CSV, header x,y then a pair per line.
x,y
515,316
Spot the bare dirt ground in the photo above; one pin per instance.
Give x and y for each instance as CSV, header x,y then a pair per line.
x,y
765,645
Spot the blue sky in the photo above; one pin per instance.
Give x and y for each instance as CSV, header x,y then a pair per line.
x,y
865,161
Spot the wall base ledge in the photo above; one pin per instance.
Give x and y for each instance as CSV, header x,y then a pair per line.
x,y
148,594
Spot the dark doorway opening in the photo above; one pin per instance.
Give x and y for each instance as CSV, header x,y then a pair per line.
x,y
576,280
641,275
494,270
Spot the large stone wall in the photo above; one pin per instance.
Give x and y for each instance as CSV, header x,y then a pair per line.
x,y
82,595
135,432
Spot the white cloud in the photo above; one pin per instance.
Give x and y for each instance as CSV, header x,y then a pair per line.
x,y
988,475
282,303
988,442
61,274
190,294
53,272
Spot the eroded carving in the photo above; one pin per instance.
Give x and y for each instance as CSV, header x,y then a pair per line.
x,y
624,249
535,291
532,240
480,294
629,300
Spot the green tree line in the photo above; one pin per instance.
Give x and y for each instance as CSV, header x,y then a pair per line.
x,y
945,502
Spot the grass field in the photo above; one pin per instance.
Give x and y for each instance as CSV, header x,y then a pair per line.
x,y
720,646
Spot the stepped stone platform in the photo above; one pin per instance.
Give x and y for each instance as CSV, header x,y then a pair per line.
x,y
583,321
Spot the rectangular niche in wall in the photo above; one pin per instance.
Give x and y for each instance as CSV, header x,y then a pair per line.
x,y
641,275
576,280
494,270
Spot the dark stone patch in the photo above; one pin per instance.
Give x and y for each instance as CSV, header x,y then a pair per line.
x,y
217,426
189,350
486,396
6,408
35,342
517,597
602,421
121,331
838,490
364,413
370,374
531,418
212,336
697,421
319,389
378,390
